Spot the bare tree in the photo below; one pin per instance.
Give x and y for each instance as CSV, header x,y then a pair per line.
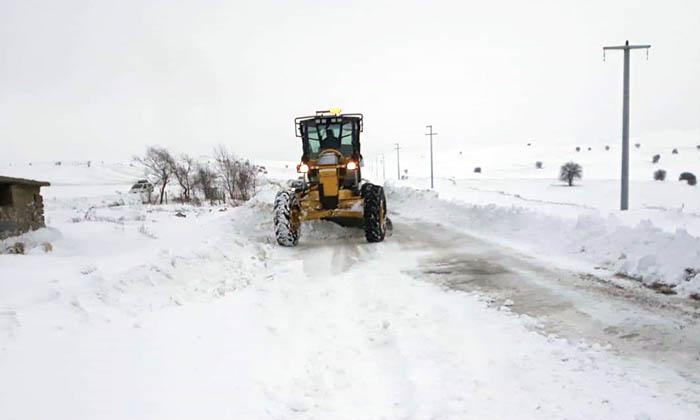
x,y
247,179
239,177
158,164
183,170
570,171
225,165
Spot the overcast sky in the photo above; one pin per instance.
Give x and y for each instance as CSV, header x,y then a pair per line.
x,y
103,79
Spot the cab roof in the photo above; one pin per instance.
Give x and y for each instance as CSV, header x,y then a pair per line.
x,y
323,117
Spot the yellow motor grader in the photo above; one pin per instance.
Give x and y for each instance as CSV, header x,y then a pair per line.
x,y
330,185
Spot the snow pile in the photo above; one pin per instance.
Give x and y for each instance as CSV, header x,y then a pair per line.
x,y
107,262
643,251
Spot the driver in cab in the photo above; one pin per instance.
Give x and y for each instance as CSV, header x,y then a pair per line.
x,y
331,141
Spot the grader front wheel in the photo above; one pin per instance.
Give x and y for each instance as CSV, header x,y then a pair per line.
x,y
286,218
374,213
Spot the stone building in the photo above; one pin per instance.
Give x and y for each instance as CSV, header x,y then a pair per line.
x,y
21,206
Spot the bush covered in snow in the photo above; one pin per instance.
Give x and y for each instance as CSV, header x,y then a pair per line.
x,y
659,175
16,248
637,145
688,177
538,164
656,159
607,147
570,171
578,148
674,151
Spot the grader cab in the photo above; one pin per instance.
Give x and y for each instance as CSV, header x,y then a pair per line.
x,y
330,185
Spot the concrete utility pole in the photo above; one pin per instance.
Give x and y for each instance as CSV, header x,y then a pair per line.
x,y
431,134
383,169
625,182
398,165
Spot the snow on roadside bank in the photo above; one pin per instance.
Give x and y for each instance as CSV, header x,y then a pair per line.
x,y
114,263
644,252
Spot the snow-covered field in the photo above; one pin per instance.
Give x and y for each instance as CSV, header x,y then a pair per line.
x,y
139,313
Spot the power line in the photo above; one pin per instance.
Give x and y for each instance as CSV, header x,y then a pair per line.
x,y
625,182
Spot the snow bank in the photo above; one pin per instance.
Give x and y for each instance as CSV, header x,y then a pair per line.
x,y
644,251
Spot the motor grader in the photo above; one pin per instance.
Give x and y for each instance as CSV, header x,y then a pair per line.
x,y
330,185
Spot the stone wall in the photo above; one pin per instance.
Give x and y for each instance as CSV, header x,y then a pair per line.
x,y
24,214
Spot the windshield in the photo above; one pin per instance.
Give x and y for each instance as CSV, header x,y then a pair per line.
x,y
322,135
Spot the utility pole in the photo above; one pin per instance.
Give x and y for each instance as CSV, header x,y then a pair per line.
x,y
625,181
383,169
398,165
431,134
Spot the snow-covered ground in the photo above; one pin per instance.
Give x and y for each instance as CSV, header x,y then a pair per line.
x,y
139,313
511,201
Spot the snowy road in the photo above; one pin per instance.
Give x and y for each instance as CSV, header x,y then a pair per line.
x,y
338,328
637,322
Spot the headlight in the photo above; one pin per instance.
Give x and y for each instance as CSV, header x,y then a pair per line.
x,y
302,168
351,166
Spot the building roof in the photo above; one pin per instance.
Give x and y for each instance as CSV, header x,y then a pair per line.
x,y
22,181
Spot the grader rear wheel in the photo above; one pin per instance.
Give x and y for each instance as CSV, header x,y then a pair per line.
x,y
286,218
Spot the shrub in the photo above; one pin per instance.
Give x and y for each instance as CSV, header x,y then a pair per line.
x,y
637,145
589,149
578,149
16,248
674,151
205,180
538,164
688,177
659,175
477,170
698,147
656,159
529,144
570,171
607,147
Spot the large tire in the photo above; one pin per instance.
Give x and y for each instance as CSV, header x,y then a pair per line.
x,y
286,218
374,212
